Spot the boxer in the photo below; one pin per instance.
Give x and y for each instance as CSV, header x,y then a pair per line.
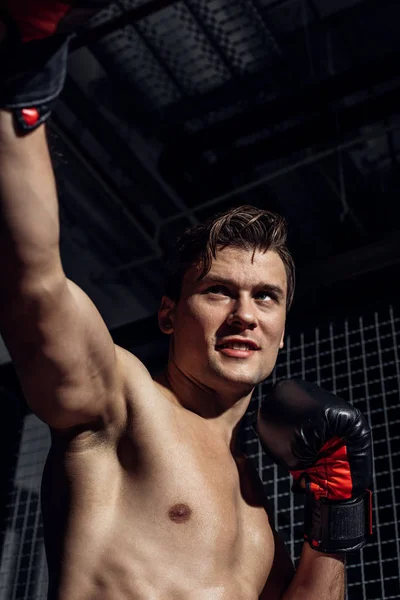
x,y
145,495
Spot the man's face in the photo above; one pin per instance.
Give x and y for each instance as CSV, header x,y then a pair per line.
x,y
229,326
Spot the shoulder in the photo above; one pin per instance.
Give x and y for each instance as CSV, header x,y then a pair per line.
x,y
141,392
130,367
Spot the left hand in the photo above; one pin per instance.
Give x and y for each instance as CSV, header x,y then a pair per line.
x,y
326,444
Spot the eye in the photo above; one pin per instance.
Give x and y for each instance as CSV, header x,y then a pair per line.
x,y
264,295
218,289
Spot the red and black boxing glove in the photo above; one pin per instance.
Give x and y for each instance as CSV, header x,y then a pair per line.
x,y
326,444
33,54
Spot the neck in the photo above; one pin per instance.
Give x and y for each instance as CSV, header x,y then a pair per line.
x,y
225,408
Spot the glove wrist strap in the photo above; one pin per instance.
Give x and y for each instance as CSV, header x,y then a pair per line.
x,y
33,80
336,527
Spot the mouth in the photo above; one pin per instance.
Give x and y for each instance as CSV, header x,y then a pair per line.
x,y
237,349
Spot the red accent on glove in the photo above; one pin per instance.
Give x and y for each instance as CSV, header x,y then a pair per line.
x,y
330,476
36,19
31,116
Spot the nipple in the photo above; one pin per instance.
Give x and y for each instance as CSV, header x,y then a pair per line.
x,y
179,513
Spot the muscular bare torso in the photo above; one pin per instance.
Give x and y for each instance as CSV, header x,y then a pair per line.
x,y
153,508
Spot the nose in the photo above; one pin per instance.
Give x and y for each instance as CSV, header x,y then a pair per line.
x,y
243,316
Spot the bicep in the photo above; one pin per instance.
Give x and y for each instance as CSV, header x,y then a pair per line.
x,y
63,354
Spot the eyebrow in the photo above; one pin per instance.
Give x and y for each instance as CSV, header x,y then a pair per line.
x,y
270,287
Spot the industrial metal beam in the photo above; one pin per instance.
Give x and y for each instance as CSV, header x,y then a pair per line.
x,y
314,98
330,127
373,257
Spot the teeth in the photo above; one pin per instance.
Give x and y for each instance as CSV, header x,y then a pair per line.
x,y
237,346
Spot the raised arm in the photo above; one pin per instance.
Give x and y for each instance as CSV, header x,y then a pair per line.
x,y
64,356
61,348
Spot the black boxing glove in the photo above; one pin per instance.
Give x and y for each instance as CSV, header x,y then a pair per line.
x,y
326,444
34,39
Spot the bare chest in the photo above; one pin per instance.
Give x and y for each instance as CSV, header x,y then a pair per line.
x,y
205,504
177,495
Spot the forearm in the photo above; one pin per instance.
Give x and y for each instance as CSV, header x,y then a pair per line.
x,y
29,223
318,576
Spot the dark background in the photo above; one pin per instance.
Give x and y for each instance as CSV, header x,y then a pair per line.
x,y
176,110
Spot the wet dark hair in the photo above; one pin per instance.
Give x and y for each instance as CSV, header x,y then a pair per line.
x,y
244,227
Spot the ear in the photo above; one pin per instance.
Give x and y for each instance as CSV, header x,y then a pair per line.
x,y
166,314
282,342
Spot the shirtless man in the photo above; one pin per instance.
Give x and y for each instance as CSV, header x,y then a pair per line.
x,y
145,496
